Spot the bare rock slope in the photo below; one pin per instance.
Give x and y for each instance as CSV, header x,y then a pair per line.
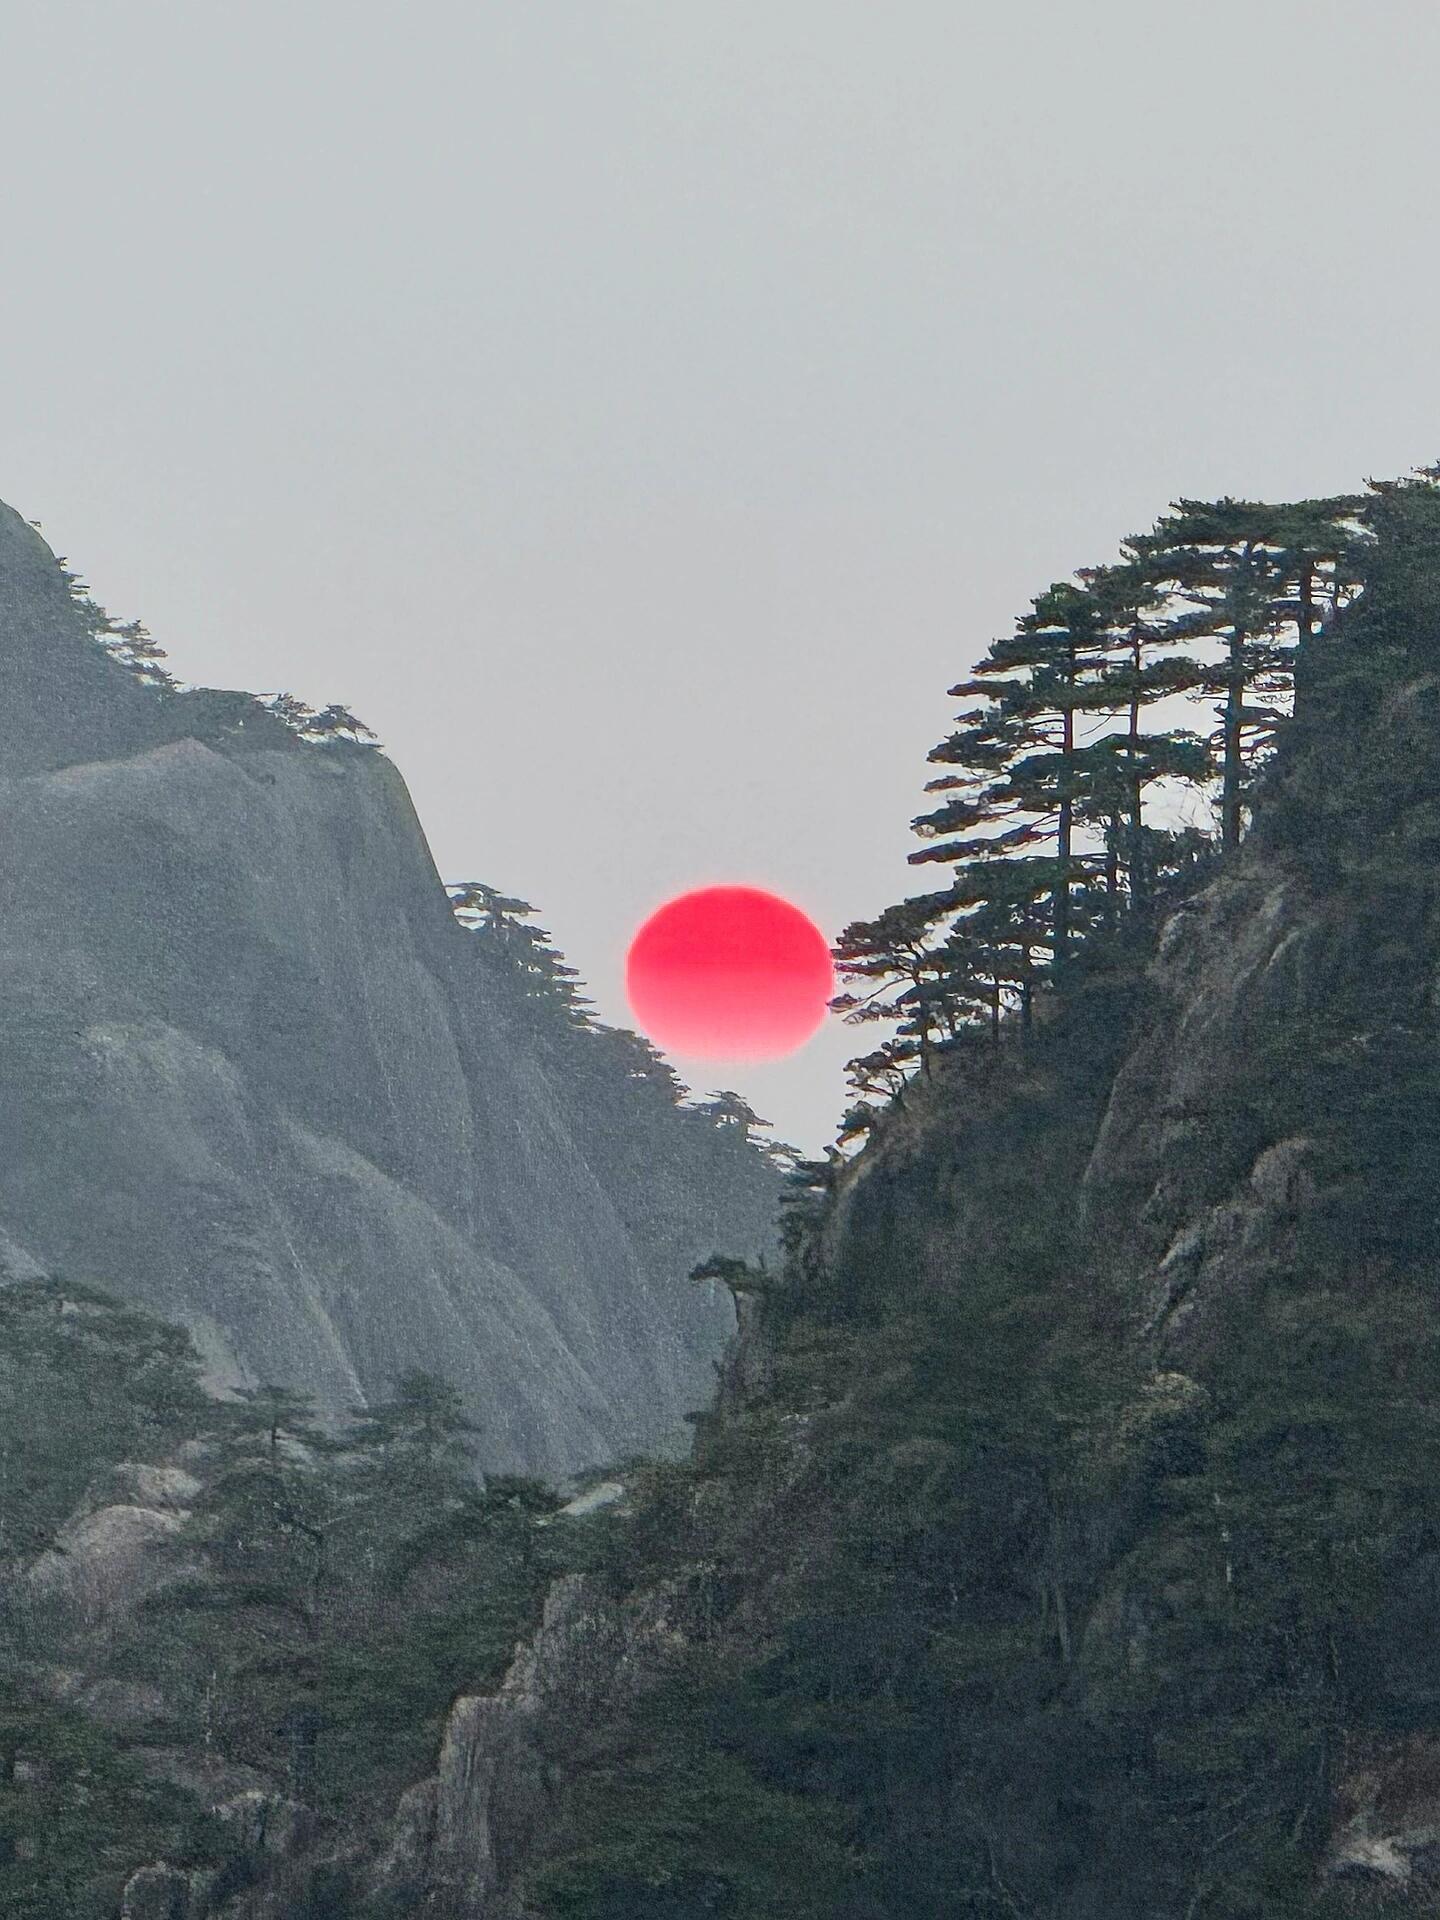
x,y
258,1079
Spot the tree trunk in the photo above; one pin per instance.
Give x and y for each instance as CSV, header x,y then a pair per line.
x,y
1065,829
1230,780
1138,888
922,1014
1307,600
1234,723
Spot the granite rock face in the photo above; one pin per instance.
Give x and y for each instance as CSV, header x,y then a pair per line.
x,y
459,1838
258,1079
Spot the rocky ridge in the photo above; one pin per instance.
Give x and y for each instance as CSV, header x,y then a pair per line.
x,y
1245,1155
261,1082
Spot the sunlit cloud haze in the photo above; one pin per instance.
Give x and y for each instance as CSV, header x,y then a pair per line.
x,y
641,413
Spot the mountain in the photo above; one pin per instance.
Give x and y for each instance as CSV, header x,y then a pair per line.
x,y
1065,1539
258,1078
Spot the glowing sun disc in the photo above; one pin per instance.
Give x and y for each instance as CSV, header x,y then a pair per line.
x,y
729,973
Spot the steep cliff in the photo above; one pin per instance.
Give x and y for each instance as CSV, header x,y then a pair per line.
x,y
1065,1540
257,1078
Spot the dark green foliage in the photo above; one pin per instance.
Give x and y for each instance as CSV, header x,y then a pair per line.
x,y
929,1600
77,1815
527,956
976,1601
84,1380
1247,574
422,1425
331,1593
682,1828
1029,1620
1057,811
347,1588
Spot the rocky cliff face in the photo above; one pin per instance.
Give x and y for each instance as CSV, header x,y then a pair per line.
x,y
1070,1516
257,1079
1064,1540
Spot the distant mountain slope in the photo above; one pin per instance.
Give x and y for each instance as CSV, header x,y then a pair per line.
x,y
258,1078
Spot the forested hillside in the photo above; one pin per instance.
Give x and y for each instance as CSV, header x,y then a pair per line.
x,y
1063,1542
221,1621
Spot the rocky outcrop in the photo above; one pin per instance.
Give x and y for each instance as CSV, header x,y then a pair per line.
x,y
459,1842
1195,1202
157,1893
269,1872
104,1563
259,1080
1387,1816
460,1837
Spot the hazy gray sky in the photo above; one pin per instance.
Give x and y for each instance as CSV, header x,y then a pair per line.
x,y
641,411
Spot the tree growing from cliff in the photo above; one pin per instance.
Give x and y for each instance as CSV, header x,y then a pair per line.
x,y
1067,733
334,722
292,710
892,964
1246,574
262,1531
337,1586
642,1064
337,722
527,951
78,1813
129,643
1058,765
730,1112
476,906
84,1378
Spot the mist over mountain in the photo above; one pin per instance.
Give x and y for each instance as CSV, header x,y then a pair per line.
x,y
258,1078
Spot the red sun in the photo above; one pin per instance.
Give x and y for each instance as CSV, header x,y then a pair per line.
x,y
729,973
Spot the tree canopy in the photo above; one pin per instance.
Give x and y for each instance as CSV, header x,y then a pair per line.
x,y
1066,801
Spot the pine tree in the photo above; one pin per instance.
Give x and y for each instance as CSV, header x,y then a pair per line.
x,y
731,1112
292,710
336,722
529,952
1245,574
1023,782
1141,668
476,905
424,1422
642,1064
1001,940
1044,816
263,1531
894,959
130,643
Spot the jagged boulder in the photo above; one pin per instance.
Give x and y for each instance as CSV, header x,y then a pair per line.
x,y
460,1836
